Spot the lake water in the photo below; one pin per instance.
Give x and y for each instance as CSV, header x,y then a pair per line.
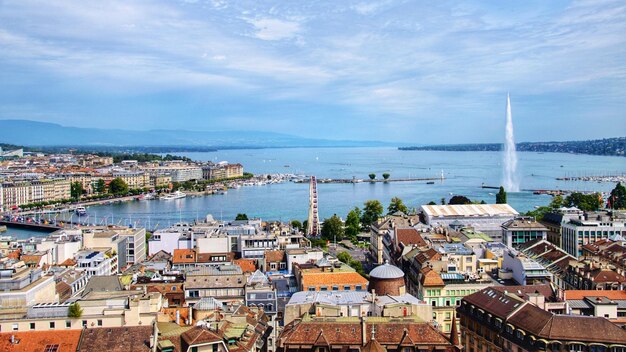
x,y
464,172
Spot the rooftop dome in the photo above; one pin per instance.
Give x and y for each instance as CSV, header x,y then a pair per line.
x,y
386,271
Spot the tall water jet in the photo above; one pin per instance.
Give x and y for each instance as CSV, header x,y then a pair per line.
x,y
510,177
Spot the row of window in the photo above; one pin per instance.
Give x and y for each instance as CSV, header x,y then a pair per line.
x,y
53,324
336,288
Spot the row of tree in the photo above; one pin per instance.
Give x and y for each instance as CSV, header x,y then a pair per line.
x,y
358,219
385,176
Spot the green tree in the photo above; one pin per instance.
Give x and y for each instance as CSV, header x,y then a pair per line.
x,y
501,196
76,190
344,257
443,201
75,310
118,186
432,203
372,176
296,224
372,210
241,216
353,223
332,228
100,186
586,202
556,202
357,266
459,200
617,198
396,205
386,175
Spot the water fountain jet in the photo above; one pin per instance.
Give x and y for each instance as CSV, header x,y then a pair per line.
x,y
510,179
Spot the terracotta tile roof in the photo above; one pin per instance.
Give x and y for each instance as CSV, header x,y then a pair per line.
x,y
210,257
37,341
594,329
333,278
523,291
68,262
275,256
607,276
494,301
123,339
389,334
430,278
247,265
31,259
182,256
581,294
409,237
15,254
199,335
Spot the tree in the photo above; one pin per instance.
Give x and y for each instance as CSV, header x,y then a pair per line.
x,y
75,310
296,224
397,205
443,201
76,190
432,203
372,176
332,228
100,186
357,266
344,257
353,223
118,186
386,176
586,202
501,196
372,210
617,198
556,202
241,216
459,200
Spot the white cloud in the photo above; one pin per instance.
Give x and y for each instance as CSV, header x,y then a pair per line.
x,y
274,29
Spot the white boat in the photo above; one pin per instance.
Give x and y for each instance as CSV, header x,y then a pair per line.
x,y
149,196
80,211
175,195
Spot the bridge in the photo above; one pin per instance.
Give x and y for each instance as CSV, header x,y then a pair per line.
x,y
313,223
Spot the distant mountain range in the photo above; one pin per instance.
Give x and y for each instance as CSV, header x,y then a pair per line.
x,y
608,146
34,133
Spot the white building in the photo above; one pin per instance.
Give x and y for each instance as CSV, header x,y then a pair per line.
x,y
302,255
589,228
96,263
487,218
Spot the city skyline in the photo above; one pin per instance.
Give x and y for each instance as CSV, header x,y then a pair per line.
x,y
389,71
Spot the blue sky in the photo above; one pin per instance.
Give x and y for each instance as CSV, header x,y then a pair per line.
x,y
411,71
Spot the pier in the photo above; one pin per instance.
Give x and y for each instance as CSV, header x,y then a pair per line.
x,y
355,180
29,225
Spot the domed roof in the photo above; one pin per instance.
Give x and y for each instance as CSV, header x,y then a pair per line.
x,y
386,271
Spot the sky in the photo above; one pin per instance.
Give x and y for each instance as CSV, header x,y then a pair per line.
x,y
424,72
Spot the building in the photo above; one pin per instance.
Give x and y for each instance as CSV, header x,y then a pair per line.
x,y
521,230
551,257
608,304
499,321
21,286
225,283
387,279
524,270
367,334
324,276
382,228
594,275
261,293
97,263
129,243
589,228
487,218
302,256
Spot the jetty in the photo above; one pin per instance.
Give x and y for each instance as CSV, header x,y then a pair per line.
x,y
355,180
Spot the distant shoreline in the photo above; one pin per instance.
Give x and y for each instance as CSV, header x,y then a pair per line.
x,y
601,147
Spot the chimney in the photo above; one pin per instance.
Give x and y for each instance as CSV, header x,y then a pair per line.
x,y
177,317
363,331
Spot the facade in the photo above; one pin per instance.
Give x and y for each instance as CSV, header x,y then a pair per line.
x,y
590,228
15,194
22,286
96,263
521,230
225,283
524,270
260,293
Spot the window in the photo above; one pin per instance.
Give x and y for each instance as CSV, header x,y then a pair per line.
x,y
311,288
51,348
173,288
358,287
15,326
346,288
434,303
99,322
323,288
193,294
335,288
32,326
68,324
52,325
84,323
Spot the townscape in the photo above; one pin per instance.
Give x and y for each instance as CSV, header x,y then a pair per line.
x,y
479,277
